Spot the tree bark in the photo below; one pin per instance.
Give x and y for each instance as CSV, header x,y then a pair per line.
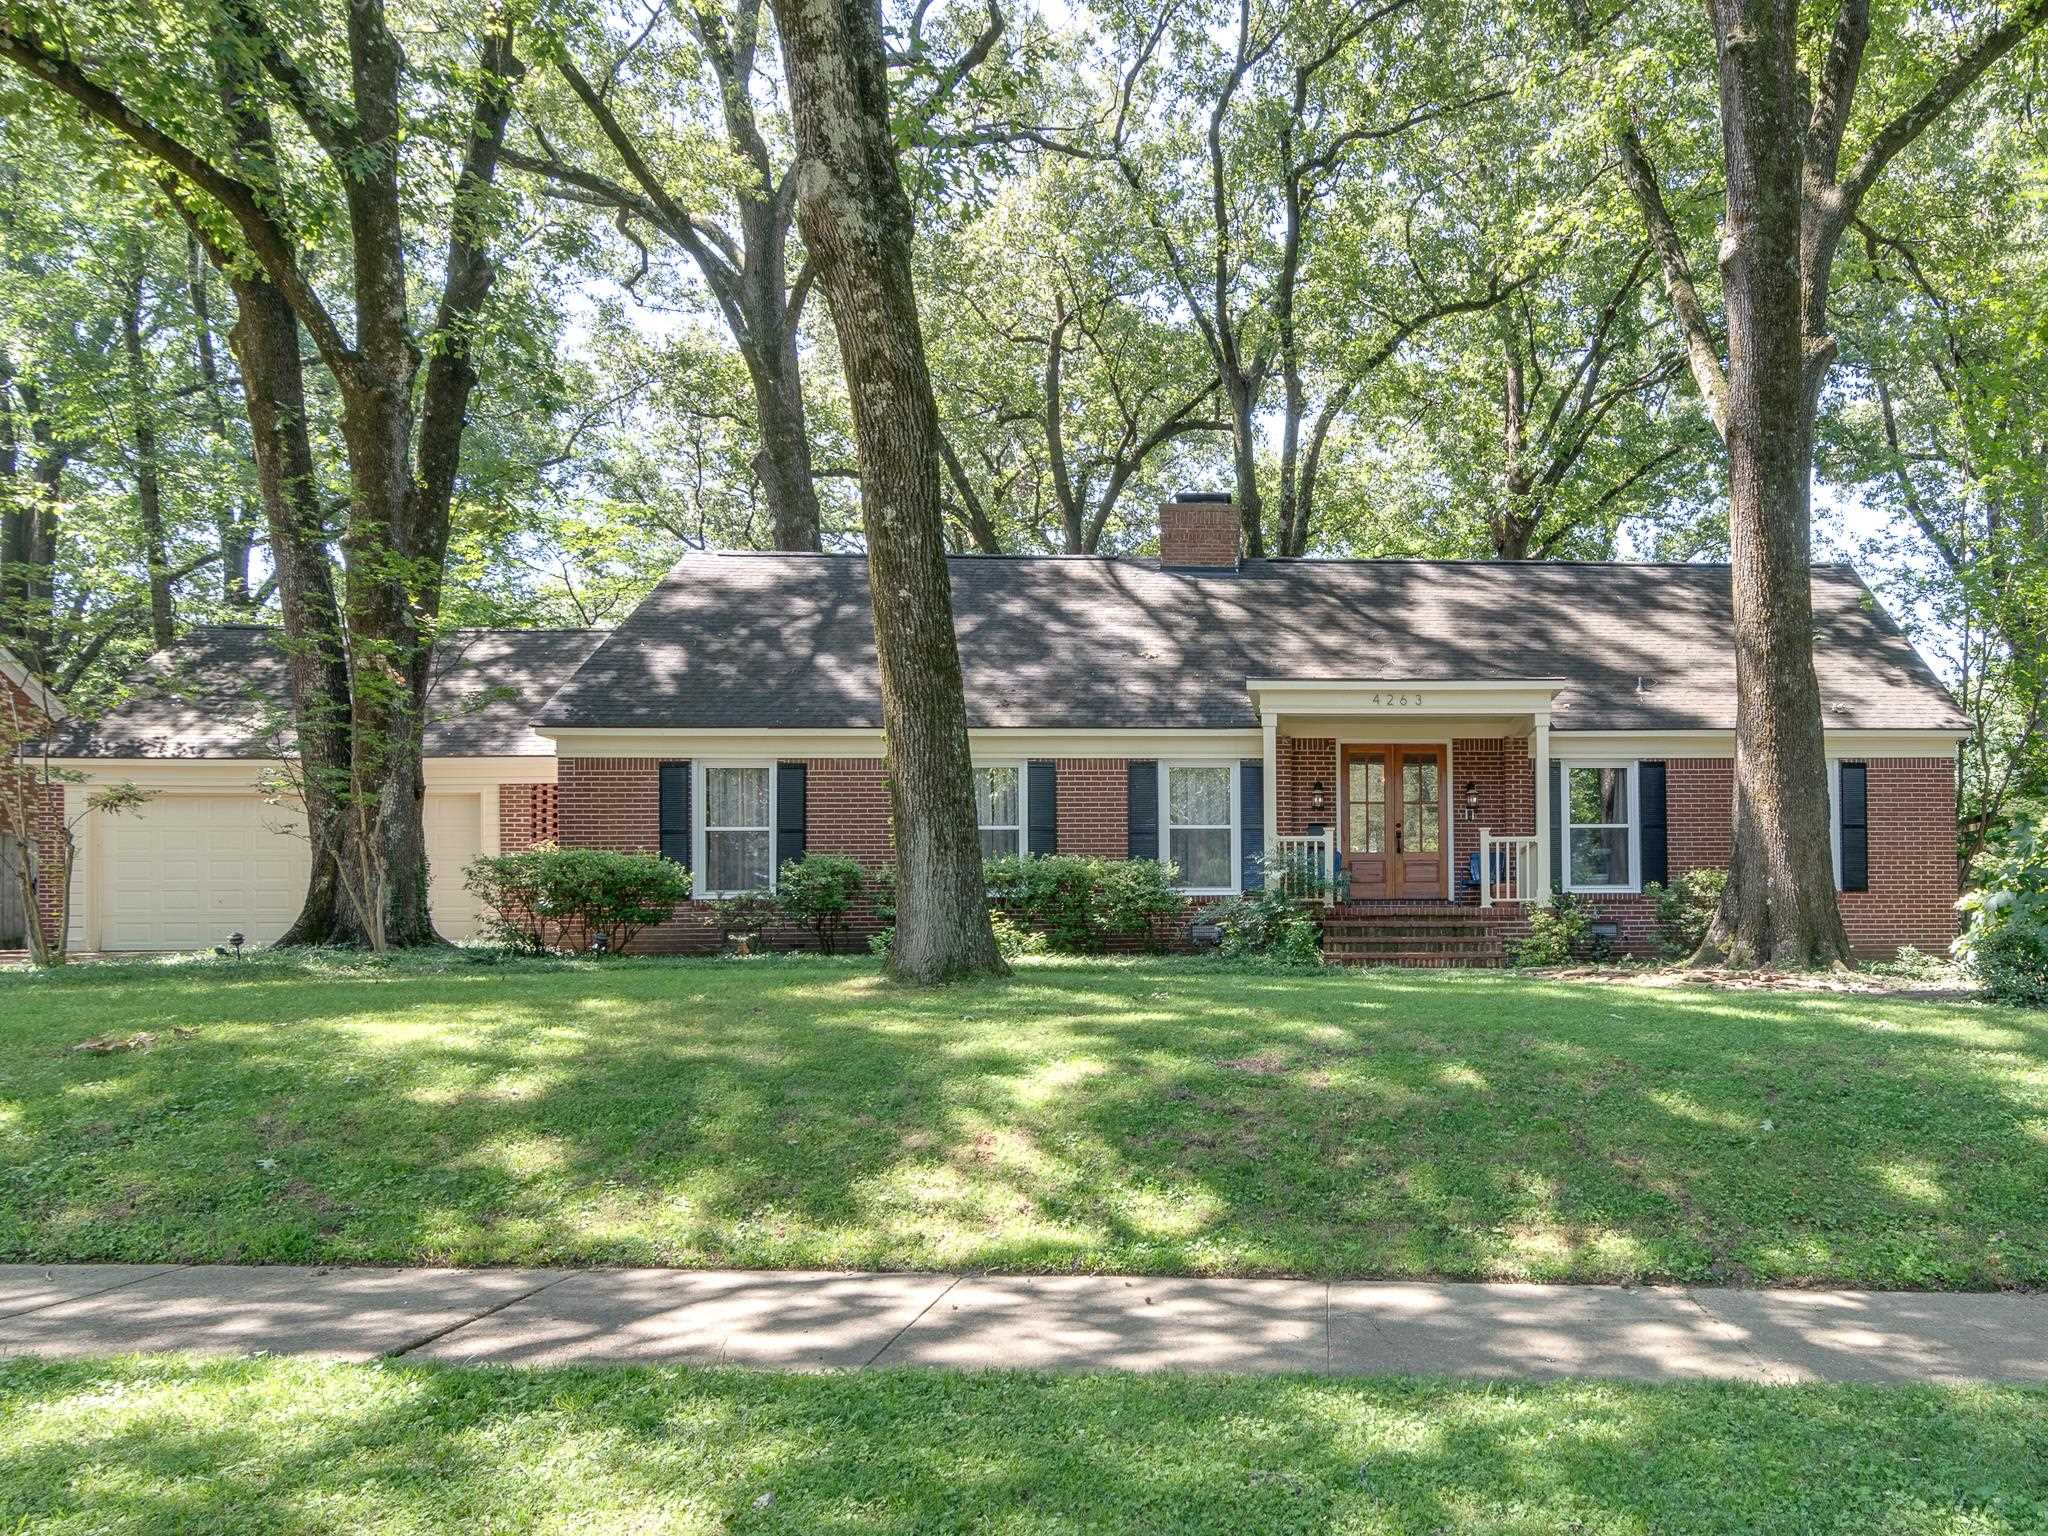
x,y
857,226
149,505
1789,201
265,341
1779,906
232,520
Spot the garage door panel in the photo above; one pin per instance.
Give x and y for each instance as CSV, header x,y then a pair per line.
x,y
185,871
454,829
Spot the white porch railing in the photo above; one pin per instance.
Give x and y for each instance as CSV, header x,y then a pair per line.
x,y
1302,866
1507,868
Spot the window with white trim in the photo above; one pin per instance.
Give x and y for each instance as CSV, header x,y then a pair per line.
x,y
1600,830
1200,818
999,809
739,828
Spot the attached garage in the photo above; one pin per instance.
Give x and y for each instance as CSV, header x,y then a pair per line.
x,y
187,870
208,856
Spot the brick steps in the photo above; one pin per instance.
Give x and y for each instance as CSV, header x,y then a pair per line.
x,y
1433,936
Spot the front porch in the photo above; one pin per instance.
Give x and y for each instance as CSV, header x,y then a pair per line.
x,y
1392,801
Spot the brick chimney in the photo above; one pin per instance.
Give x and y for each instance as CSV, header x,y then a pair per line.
x,y
1198,531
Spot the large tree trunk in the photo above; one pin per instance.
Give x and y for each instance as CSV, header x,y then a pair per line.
x,y
784,460
1779,907
232,520
857,225
265,341
149,505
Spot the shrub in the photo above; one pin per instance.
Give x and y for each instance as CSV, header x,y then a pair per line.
x,y
2012,962
1078,903
1266,924
1011,940
1910,964
1685,908
2005,945
743,916
544,896
819,890
1557,933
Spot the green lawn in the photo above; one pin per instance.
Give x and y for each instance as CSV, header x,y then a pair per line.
x,y
269,1445
1150,1116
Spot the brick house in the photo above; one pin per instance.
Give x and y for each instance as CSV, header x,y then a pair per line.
x,y
1452,740
1454,737
26,707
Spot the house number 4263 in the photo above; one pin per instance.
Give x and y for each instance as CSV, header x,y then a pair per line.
x,y
1397,700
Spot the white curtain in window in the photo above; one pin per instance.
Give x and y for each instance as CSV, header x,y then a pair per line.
x,y
1199,825
739,838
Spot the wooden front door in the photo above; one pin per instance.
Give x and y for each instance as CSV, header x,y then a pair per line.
x,y
1394,827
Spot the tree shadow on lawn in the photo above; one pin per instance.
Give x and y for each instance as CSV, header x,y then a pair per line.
x,y
273,1445
1137,1116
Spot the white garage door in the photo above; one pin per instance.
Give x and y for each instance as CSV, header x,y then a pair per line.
x,y
185,871
454,827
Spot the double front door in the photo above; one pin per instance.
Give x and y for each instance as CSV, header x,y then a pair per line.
x,y
1394,822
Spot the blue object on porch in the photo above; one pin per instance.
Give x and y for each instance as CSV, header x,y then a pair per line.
x,y
1500,869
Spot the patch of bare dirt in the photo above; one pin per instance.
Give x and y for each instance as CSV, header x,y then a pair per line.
x,y
1903,987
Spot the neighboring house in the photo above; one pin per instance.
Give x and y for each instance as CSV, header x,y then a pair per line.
x,y
210,856
26,707
1457,738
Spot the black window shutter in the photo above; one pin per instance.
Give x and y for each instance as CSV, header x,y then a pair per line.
x,y
1043,791
1655,836
1143,809
790,819
675,812
1556,825
1251,816
1853,803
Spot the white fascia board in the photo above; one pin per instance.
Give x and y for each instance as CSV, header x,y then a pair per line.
x,y
1715,743
1374,697
242,774
39,697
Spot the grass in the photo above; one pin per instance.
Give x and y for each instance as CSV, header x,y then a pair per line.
x,y
1147,1116
269,1445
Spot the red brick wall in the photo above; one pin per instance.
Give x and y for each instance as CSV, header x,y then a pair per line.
x,y
1302,763
609,802
614,803
1913,873
846,806
47,828
1094,806
527,814
1198,533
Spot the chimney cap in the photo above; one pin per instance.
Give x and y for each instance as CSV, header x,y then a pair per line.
x,y
1203,498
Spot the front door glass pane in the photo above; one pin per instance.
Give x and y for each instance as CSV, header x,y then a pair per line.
x,y
1368,793
1421,806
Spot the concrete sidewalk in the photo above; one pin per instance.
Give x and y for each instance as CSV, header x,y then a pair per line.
x,y
1076,1322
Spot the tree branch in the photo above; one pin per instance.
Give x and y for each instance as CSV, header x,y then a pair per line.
x,y
1960,76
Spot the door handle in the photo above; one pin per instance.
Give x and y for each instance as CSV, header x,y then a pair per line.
x,y
1397,843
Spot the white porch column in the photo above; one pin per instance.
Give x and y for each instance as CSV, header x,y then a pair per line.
x,y
1272,784
1539,764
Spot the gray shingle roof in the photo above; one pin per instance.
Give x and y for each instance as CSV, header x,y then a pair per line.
x,y
786,641
206,695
